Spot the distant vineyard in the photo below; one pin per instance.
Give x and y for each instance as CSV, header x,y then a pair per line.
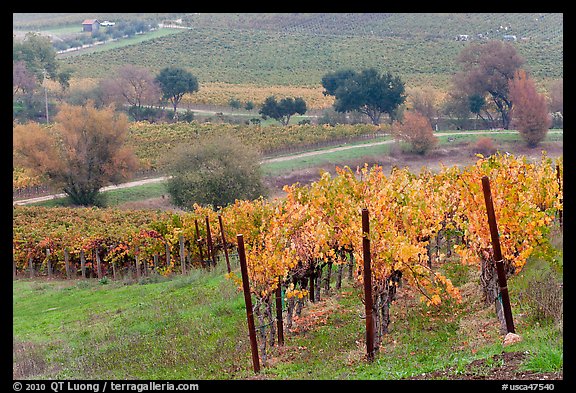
x,y
221,93
258,57
152,142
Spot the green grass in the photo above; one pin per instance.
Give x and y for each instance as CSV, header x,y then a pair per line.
x,y
186,328
121,43
116,197
194,327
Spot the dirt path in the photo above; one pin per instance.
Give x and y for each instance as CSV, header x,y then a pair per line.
x,y
269,160
108,188
340,148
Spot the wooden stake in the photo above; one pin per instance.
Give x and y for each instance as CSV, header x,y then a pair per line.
x,y
199,242
182,256
83,263
48,263
248,301
67,263
224,243
367,286
210,246
279,321
498,255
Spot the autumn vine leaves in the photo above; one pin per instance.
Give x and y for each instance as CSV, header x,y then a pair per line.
x,y
293,243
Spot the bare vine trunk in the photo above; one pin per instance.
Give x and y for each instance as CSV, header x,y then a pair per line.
x,y
261,330
490,290
339,276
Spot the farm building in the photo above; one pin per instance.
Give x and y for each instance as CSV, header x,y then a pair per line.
x,y
90,25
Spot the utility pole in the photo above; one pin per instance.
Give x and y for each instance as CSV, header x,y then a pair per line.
x,y
45,95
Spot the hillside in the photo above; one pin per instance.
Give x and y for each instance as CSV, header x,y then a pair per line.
x,y
298,49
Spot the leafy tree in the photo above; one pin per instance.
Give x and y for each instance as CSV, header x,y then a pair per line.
x,y
81,153
234,103
416,130
249,105
557,96
39,56
175,82
214,171
35,57
486,70
282,110
529,109
456,108
366,91
478,106
556,103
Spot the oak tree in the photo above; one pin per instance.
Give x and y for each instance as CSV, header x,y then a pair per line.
x,y
215,170
367,92
133,86
283,109
175,82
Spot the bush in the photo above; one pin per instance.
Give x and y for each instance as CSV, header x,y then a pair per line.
x,y
484,146
416,130
214,171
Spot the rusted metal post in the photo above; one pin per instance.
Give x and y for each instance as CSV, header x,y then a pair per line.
x,y
224,243
167,254
199,242
248,301
498,255
311,292
210,245
279,314
367,286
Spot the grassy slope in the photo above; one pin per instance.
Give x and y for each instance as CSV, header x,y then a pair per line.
x,y
194,327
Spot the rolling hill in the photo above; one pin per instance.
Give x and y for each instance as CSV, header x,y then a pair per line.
x,y
298,49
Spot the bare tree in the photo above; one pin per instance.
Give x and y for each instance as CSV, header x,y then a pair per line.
x,y
486,70
133,86
23,81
